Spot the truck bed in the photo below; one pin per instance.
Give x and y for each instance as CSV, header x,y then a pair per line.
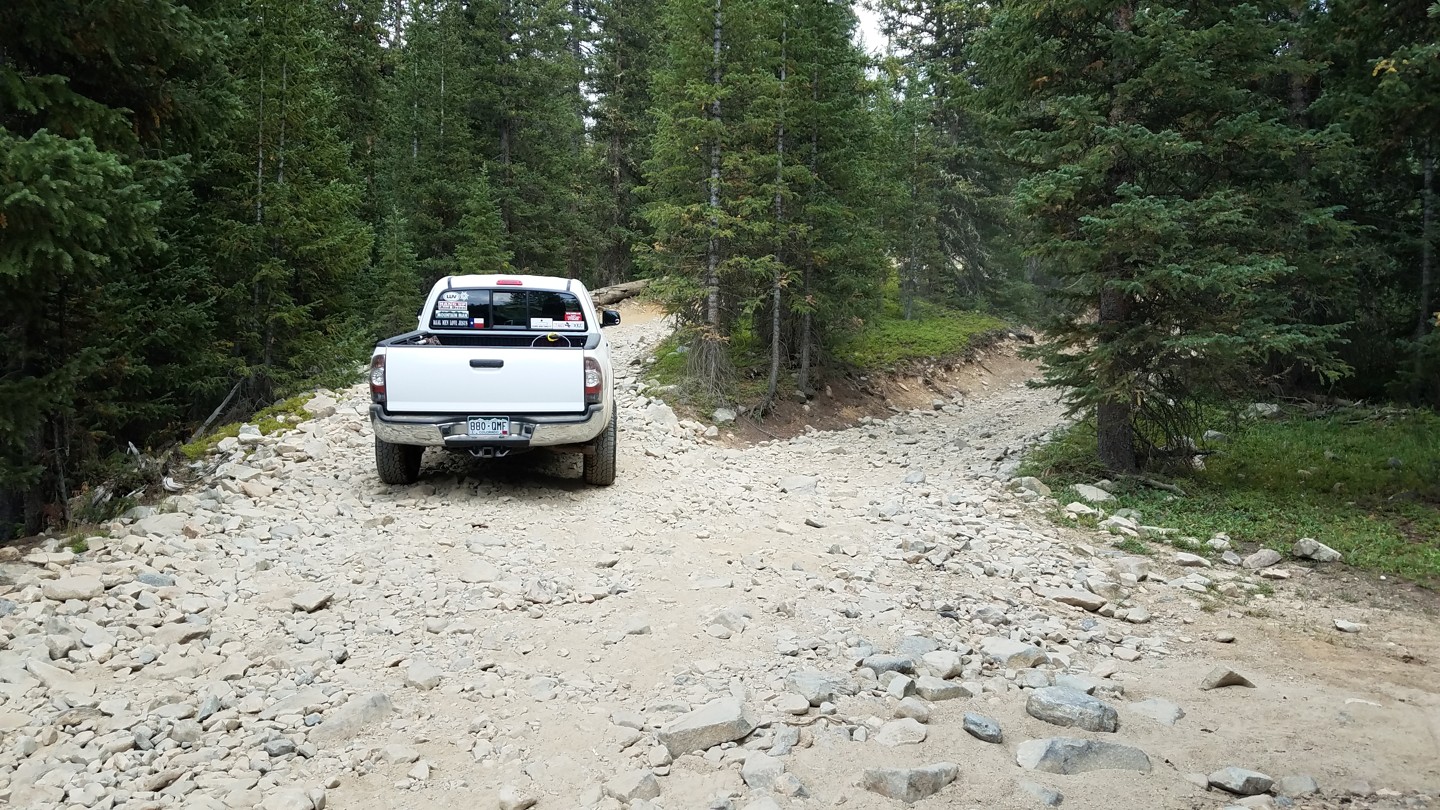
x,y
482,380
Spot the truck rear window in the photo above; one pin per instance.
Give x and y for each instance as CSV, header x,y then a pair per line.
x,y
539,310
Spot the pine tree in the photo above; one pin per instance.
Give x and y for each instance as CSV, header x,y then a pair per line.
x,y
1174,274
395,287
294,244
1383,87
428,143
98,105
684,174
839,193
623,129
949,238
526,119
482,233
760,185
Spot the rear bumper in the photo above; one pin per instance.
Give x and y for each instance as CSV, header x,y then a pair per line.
x,y
451,430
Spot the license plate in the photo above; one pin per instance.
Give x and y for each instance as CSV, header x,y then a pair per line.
x,y
489,427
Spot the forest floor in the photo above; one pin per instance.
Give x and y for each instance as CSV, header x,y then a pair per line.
x,y
739,622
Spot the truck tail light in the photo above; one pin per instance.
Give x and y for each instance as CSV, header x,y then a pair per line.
x,y
594,381
377,378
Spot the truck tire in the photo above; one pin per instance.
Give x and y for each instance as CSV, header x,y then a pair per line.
x,y
398,463
600,465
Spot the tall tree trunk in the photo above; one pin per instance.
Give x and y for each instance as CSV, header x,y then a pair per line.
x,y
1115,439
1115,436
256,314
506,208
712,250
803,378
284,112
616,251
415,118
1427,256
909,270
441,149
779,281
35,493
62,460
260,134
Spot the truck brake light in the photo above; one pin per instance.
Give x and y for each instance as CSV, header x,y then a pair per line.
x,y
377,378
510,282
594,381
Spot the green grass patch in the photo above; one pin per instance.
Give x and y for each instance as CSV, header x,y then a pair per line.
x,y
1366,482
669,367
890,341
1131,545
884,342
670,379
282,415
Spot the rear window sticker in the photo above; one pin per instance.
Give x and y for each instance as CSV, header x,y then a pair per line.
x,y
549,323
574,316
450,296
460,306
477,323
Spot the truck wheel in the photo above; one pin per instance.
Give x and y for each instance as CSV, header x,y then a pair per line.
x,y
398,463
600,465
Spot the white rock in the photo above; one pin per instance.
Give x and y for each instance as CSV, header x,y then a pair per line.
x,y
83,588
905,731
422,675
1092,494
288,799
632,786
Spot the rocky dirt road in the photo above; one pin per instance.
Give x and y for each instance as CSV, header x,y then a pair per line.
x,y
857,618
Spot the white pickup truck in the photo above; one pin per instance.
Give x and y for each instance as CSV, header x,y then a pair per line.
x,y
498,365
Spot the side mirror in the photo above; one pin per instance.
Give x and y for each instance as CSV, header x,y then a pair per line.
x,y
610,317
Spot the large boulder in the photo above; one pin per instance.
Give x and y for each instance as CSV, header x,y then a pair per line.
x,y
1092,494
1071,708
1012,654
910,785
66,588
1308,548
1068,756
354,716
1241,781
719,721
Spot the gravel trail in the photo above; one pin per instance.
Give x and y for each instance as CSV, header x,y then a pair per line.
x,y
842,618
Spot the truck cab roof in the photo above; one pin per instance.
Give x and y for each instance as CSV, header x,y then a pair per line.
x,y
510,280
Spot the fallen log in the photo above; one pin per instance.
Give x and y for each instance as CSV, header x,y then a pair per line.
x,y
619,292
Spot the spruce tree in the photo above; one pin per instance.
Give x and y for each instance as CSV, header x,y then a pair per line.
x,y
950,235
624,52
431,151
1383,86
294,245
98,106
527,123
761,185
1173,272
836,169
481,249
394,291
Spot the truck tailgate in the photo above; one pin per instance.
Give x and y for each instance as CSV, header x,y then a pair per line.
x,y
480,381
